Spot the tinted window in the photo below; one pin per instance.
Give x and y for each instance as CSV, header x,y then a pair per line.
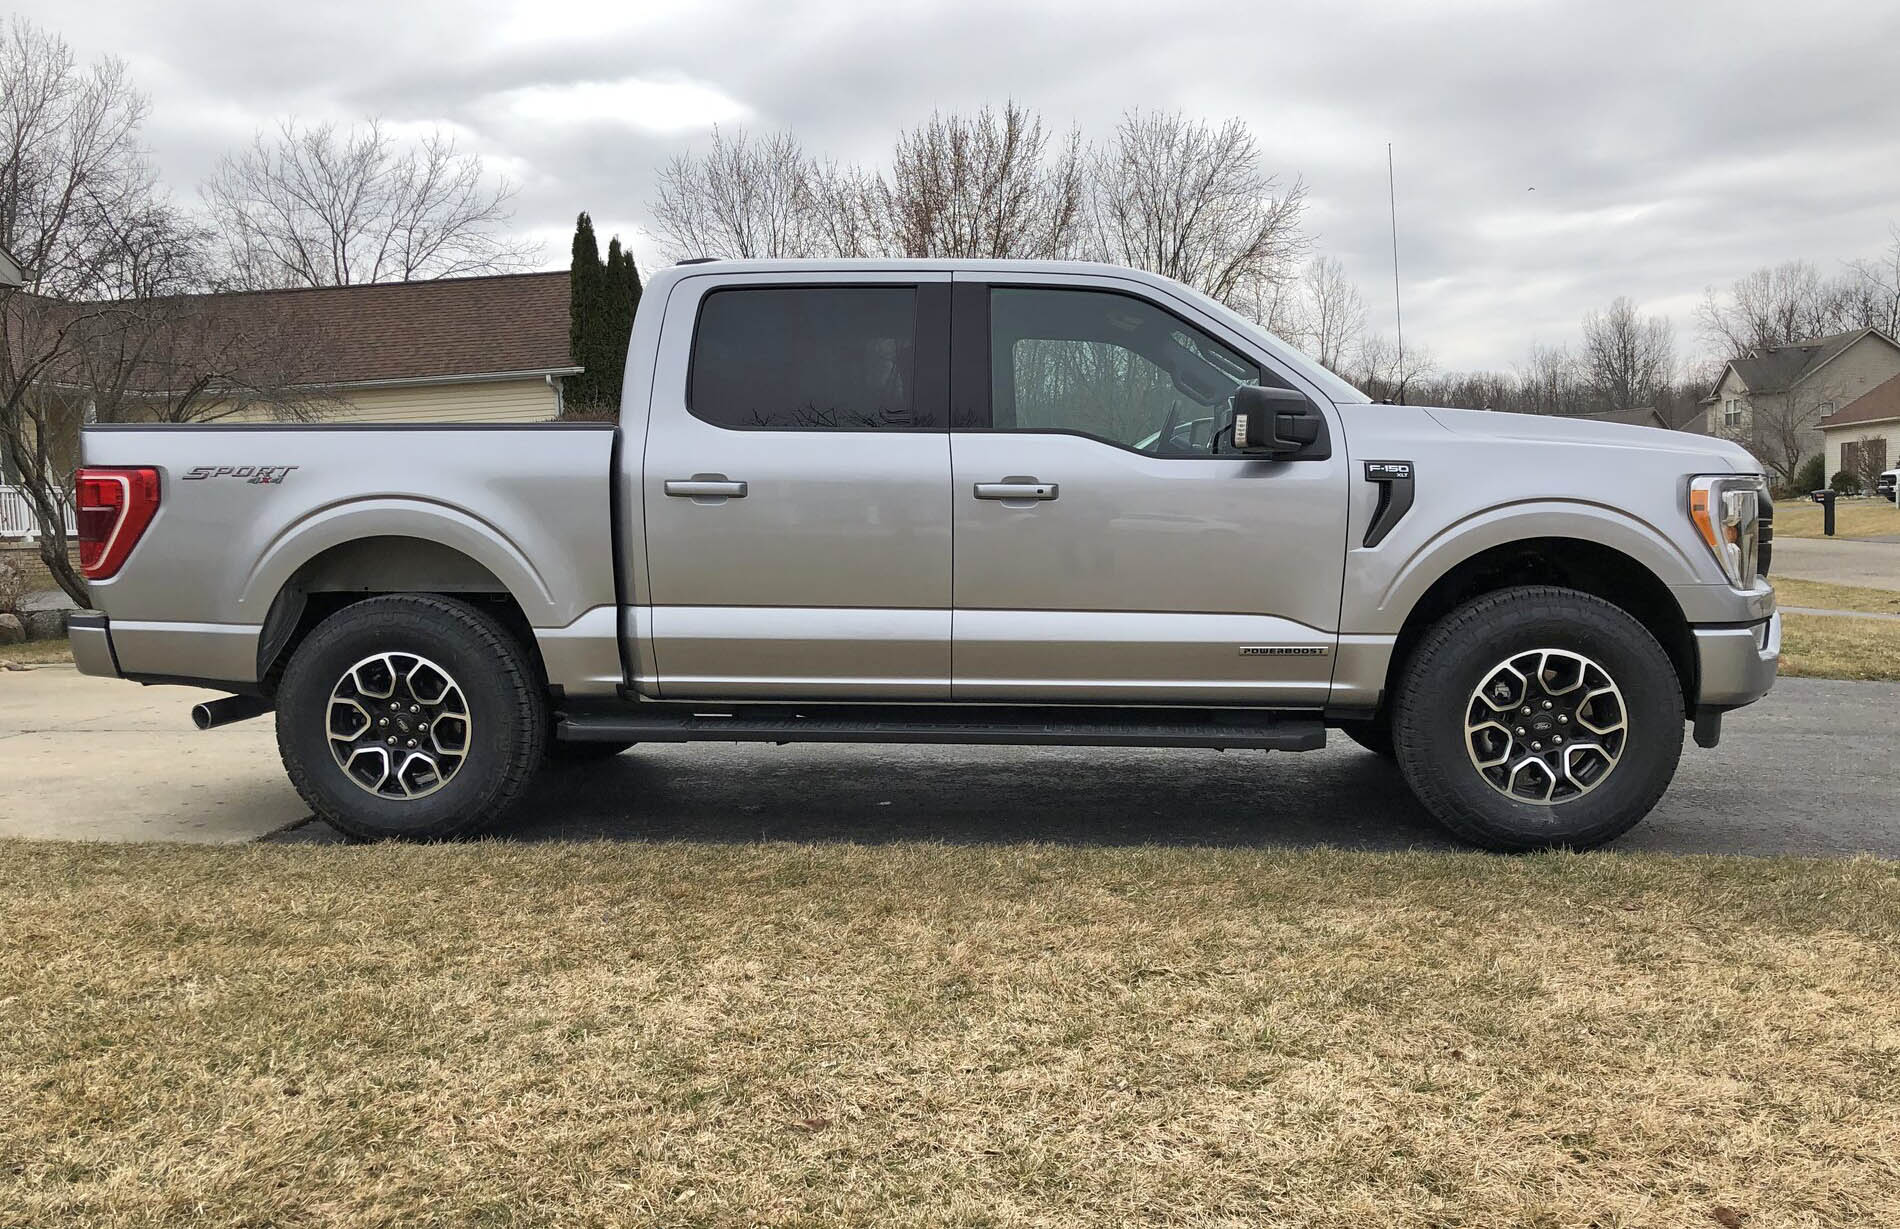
x,y
806,358
1110,366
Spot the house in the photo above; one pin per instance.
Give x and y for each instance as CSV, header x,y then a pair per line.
x,y
468,349
1863,436
1772,399
13,274
455,350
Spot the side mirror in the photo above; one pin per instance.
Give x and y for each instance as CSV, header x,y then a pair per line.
x,y
1277,422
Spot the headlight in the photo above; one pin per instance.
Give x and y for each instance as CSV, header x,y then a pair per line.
x,y
1727,513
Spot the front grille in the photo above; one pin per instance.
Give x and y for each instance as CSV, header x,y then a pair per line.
x,y
1766,531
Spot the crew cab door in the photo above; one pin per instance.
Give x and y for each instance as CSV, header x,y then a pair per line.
x,y
1106,549
796,487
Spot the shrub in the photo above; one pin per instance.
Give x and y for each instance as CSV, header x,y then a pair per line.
x,y
1845,483
1811,476
12,586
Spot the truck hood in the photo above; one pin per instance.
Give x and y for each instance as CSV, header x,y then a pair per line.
x,y
1702,450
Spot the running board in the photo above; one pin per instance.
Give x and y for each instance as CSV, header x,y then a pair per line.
x,y
1218,730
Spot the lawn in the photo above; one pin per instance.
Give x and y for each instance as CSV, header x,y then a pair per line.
x,y
1820,595
819,1035
1863,516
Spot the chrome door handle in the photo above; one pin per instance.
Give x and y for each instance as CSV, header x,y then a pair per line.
x,y
1017,488
705,488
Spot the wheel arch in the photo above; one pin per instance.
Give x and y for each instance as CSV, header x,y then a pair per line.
x,y
356,569
1588,566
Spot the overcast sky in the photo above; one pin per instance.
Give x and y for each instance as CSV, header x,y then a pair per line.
x,y
1670,146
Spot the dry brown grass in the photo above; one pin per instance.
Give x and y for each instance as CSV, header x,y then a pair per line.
x,y
1823,596
1862,516
38,653
1833,647
796,1035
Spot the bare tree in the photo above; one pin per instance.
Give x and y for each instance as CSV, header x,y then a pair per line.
x,y
323,206
1332,316
1179,197
1774,306
1865,459
988,186
746,196
1627,358
1379,371
1875,297
72,172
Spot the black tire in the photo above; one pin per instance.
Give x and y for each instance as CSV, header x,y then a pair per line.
x,y
1374,735
1435,691
563,752
507,710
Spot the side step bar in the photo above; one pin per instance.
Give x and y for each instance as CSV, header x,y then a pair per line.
x,y
1219,730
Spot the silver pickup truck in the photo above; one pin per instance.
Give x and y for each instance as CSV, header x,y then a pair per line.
x,y
946,502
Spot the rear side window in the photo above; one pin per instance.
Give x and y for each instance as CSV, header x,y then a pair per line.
x,y
807,358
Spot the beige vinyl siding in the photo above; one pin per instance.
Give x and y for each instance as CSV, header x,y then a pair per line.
x,y
526,400
1837,436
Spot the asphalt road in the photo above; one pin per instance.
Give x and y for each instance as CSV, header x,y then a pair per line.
x,y
1840,561
1812,769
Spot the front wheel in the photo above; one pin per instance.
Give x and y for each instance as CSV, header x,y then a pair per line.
x,y
1538,718
410,717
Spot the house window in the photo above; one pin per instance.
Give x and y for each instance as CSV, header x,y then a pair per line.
x,y
1732,412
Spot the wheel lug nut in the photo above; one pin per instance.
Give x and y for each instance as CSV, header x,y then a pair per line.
x,y
1557,741
382,721
392,740
1526,710
1563,721
412,742
1537,746
1547,704
1520,729
414,709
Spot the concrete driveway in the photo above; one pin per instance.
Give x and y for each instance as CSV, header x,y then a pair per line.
x,y
1813,769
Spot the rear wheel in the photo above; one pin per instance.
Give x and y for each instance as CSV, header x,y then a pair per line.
x,y
1538,718
410,717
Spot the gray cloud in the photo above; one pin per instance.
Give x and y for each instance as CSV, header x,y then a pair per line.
x,y
1671,146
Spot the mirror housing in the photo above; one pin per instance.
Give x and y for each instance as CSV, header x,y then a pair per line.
x,y
1279,423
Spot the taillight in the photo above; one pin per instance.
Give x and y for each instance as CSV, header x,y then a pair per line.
x,y
114,507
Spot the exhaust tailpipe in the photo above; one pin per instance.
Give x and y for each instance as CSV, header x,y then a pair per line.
x,y
226,709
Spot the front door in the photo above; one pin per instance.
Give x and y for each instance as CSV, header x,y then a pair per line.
x,y
1106,549
797,490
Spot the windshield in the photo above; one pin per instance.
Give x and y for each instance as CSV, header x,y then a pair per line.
x,y
1334,387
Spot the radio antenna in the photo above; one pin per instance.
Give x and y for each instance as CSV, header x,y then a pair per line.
x,y
1398,315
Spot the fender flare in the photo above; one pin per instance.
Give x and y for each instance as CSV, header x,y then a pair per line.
x,y
1503,524
338,524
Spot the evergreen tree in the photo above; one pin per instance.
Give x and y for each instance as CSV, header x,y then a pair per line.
x,y
586,278
600,314
621,297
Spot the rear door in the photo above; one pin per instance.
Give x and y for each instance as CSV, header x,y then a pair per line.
x,y
796,487
1106,550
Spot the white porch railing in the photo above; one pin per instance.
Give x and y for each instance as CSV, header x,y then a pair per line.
x,y
17,519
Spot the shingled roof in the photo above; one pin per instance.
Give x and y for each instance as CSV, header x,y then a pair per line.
x,y
1776,369
398,331
1881,403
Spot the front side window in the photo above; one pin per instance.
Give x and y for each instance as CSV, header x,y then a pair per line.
x,y
1109,366
806,358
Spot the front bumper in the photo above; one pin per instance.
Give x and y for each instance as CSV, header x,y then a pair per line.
x,y
92,644
1737,664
